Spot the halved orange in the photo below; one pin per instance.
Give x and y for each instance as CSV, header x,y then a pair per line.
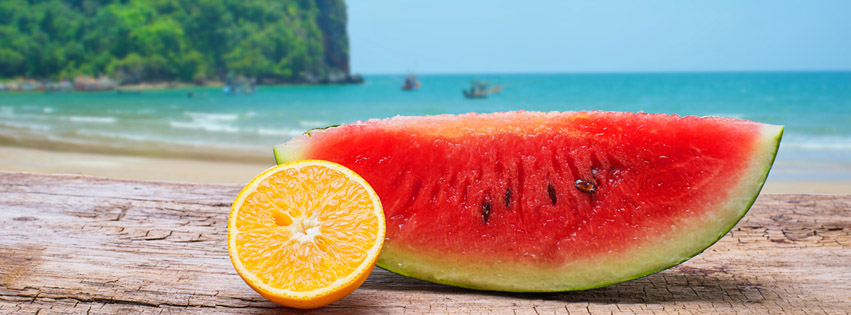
x,y
306,233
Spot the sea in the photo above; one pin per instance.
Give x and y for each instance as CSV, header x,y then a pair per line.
x,y
206,123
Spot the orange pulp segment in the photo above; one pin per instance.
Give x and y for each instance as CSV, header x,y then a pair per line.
x,y
306,233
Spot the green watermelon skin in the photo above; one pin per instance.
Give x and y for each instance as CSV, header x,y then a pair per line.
x,y
491,201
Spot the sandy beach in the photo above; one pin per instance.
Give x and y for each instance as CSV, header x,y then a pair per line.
x,y
130,167
227,172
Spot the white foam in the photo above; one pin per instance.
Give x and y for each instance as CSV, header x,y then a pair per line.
x,y
205,126
92,119
823,143
55,138
19,125
816,146
47,110
100,136
6,111
280,132
313,123
36,117
730,115
212,116
113,135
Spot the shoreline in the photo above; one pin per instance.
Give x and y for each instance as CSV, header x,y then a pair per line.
x,y
154,86
240,172
353,79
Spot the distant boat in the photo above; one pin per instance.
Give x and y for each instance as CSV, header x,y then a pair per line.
x,y
480,89
411,83
240,85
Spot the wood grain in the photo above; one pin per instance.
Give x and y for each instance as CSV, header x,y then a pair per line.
x,y
77,244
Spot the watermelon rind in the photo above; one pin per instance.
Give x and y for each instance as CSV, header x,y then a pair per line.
x,y
766,170
595,273
293,150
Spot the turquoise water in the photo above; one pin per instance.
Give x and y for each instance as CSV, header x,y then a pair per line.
x,y
815,107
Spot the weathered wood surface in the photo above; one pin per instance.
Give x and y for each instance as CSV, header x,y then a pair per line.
x,y
75,244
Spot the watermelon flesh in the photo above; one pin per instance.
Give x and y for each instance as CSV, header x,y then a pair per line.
x,y
530,201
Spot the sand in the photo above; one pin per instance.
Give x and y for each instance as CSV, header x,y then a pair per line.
x,y
131,167
226,172
808,187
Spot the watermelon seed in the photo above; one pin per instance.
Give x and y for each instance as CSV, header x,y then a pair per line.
x,y
507,197
552,192
486,211
585,186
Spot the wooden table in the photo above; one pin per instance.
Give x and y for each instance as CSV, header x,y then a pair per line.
x,y
78,244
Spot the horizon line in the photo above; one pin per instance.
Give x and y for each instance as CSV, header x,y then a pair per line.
x,y
610,72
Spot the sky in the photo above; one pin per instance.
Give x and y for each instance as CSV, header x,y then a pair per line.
x,y
478,36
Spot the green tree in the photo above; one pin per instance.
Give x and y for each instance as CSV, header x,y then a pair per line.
x,y
155,40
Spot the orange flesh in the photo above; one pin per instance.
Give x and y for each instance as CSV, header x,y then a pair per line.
x,y
300,228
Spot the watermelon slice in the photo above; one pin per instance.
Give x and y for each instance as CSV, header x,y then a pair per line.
x,y
530,201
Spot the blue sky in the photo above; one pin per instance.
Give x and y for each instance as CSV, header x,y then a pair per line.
x,y
476,36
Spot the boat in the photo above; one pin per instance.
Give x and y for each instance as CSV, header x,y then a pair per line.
x,y
480,89
411,83
239,85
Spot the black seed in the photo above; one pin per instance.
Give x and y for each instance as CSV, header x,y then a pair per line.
x,y
486,210
552,192
585,186
507,197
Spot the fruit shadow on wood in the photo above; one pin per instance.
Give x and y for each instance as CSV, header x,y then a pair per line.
x,y
678,284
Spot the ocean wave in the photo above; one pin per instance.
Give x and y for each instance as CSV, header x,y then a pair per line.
x,y
61,139
93,119
280,132
730,115
313,123
824,143
6,111
19,125
107,138
816,146
205,126
116,135
47,110
41,117
212,116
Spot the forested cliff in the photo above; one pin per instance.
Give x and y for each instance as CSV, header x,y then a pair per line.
x,y
273,41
